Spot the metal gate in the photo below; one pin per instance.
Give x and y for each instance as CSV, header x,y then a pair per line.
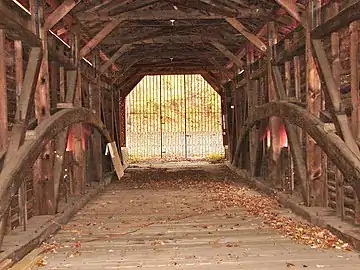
x,y
173,117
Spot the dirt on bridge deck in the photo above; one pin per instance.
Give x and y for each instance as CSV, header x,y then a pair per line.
x,y
190,217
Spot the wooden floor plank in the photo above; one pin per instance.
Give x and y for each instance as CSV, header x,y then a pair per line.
x,y
129,227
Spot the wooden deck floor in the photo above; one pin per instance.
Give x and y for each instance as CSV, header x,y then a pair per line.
x,y
176,226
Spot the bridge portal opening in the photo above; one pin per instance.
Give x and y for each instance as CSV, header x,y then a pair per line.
x,y
173,117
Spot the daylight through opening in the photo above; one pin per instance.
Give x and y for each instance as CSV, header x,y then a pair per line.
x,y
173,117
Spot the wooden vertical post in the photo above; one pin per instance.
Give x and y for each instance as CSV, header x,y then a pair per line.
x,y
261,149
62,84
354,67
297,82
43,167
3,95
336,68
62,138
225,109
287,72
355,116
274,122
96,105
22,200
112,100
324,159
313,96
54,83
237,106
79,170
252,102
3,118
289,93
117,118
122,121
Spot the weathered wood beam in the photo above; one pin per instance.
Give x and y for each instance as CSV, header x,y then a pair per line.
x,y
16,172
170,15
332,91
124,70
70,20
61,140
314,102
43,167
295,146
199,5
16,26
293,10
296,49
22,194
249,36
100,37
77,130
159,34
354,71
95,104
116,7
114,57
170,71
19,73
3,94
297,71
153,15
274,122
211,81
121,79
291,94
251,94
61,11
225,51
129,85
217,65
336,69
71,79
242,53
22,115
4,134
340,20
23,110
178,39
334,147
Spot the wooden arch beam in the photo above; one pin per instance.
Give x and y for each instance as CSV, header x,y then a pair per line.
x,y
15,172
334,147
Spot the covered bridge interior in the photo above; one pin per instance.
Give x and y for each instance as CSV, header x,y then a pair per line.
x,y
287,73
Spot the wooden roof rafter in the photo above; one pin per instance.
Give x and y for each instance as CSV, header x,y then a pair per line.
x,y
122,29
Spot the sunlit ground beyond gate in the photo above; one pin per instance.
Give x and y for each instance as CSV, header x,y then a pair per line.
x,y
173,117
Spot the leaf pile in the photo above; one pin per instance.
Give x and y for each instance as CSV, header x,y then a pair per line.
x,y
222,190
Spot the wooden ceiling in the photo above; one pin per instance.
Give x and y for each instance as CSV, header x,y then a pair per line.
x,y
170,35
